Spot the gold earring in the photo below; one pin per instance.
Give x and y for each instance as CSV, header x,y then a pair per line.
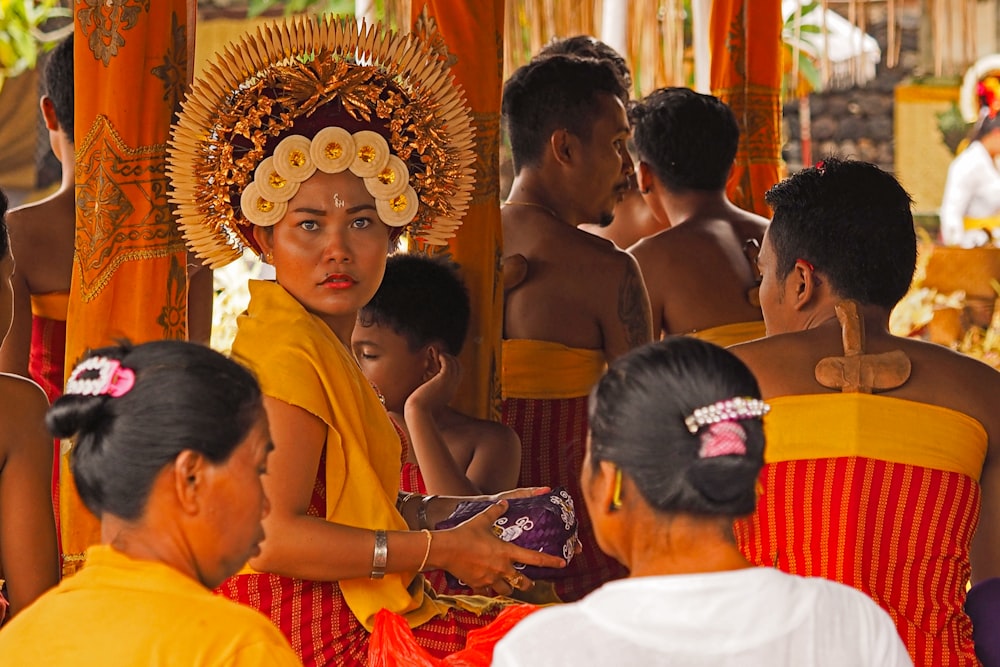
x,y
269,257
616,495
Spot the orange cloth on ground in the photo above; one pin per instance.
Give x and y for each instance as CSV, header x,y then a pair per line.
x,y
746,75
130,265
473,32
881,494
731,334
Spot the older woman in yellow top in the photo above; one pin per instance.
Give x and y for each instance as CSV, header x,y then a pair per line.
x,y
171,440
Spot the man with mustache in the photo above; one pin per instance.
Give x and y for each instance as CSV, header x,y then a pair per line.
x,y
573,301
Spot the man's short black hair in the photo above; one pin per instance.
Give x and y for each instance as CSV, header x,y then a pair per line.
x,y
551,93
850,220
58,81
585,46
688,139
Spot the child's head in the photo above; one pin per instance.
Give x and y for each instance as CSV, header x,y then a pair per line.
x,y
421,305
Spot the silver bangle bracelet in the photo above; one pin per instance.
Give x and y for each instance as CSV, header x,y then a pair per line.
x,y
380,555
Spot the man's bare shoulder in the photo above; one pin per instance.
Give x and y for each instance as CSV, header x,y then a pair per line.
x,y
42,221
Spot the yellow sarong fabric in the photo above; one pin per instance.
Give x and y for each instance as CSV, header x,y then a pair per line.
x,y
51,306
823,426
542,369
731,334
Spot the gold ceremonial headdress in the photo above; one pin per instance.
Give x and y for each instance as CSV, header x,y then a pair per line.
x,y
320,93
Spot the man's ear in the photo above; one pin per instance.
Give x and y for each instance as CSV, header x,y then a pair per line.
x,y
805,283
49,113
562,143
432,362
189,479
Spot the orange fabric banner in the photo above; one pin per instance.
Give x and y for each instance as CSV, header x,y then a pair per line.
x,y
473,34
746,75
129,271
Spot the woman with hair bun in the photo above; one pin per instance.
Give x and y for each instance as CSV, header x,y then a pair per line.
x,y
29,555
676,444
170,442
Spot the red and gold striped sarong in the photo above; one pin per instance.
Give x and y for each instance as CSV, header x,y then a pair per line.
x,y
880,494
545,390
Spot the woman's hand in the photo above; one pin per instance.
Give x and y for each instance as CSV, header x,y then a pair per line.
x,y
474,554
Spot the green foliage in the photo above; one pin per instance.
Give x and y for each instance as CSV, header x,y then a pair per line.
x,y
22,38
258,7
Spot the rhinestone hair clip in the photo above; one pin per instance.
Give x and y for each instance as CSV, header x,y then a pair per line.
x,y
100,376
731,409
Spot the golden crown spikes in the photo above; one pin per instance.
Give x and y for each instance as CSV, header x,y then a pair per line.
x,y
290,73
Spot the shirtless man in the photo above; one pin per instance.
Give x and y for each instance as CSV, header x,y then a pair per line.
x,y
882,451
581,302
42,236
698,274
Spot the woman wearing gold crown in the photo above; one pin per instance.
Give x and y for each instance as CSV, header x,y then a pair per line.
x,y
316,144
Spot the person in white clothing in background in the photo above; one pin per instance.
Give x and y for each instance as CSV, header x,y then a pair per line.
x,y
970,206
675,447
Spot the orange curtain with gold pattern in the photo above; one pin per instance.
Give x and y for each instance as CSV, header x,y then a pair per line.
x,y
746,75
473,35
129,271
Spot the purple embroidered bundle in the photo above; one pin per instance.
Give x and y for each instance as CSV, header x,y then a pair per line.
x,y
545,523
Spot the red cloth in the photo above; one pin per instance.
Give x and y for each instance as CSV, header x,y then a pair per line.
x,y
393,643
899,533
47,360
317,621
553,436
46,366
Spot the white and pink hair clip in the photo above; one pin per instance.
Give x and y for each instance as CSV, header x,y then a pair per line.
x,y
100,376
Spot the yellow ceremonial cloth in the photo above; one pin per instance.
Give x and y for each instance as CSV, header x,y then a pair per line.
x,y
51,306
731,334
299,360
121,612
822,426
541,369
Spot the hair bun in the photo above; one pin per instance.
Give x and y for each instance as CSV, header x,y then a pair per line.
x,y
730,481
74,414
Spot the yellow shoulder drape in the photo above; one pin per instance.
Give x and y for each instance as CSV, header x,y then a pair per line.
x,y
129,271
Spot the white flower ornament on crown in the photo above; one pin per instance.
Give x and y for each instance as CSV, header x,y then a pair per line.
x,y
276,180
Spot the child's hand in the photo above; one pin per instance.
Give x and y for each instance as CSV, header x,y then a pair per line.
x,y
439,387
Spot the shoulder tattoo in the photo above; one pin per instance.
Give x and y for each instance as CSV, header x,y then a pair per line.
x,y
633,307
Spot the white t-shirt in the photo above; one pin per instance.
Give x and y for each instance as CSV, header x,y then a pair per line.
x,y
754,616
972,190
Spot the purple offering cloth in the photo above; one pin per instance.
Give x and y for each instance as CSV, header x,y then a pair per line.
x,y
545,523
983,607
